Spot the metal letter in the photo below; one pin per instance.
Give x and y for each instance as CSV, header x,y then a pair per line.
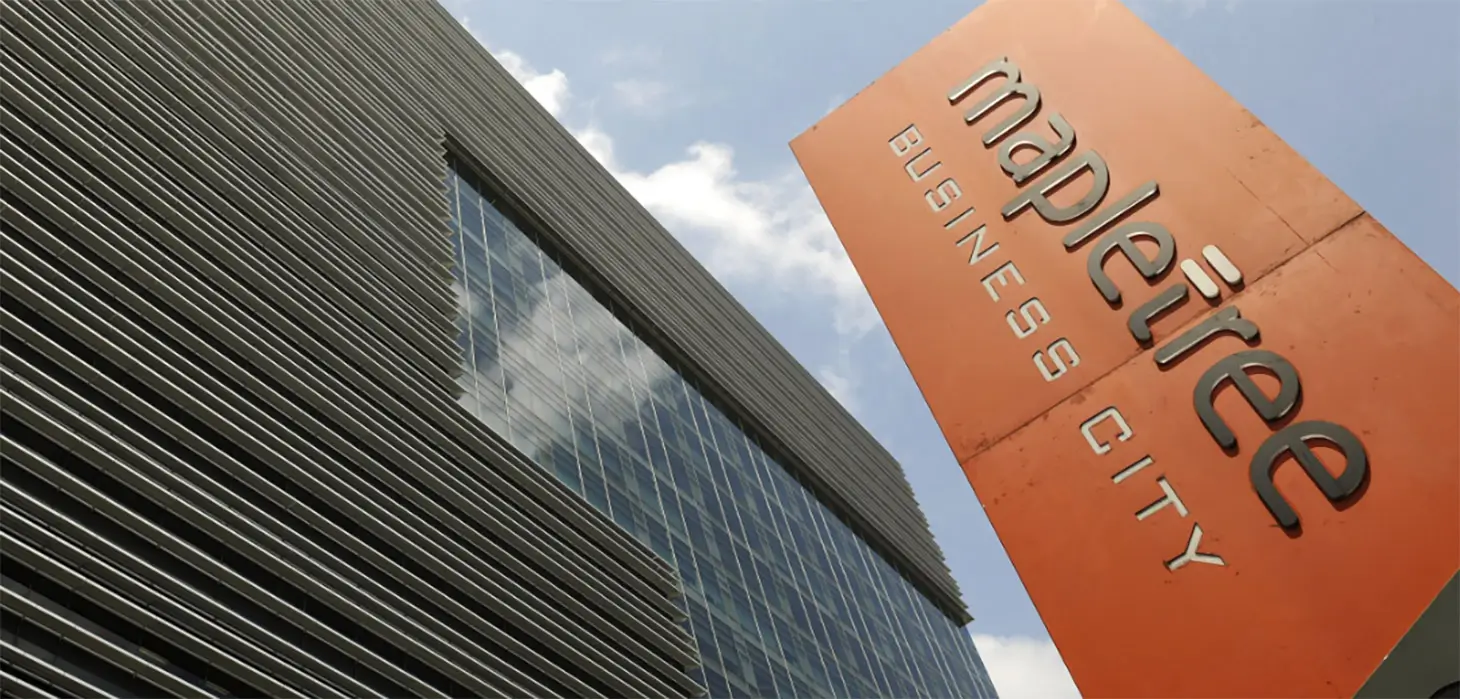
x,y
1011,87
1061,367
912,166
959,218
1038,195
1294,439
903,143
1191,554
1140,319
1133,469
1234,369
1047,153
1027,311
1169,498
1228,319
1123,239
1115,212
1088,429
978,254
999,275
947,190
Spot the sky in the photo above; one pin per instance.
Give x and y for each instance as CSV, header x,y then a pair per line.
x,y
691,104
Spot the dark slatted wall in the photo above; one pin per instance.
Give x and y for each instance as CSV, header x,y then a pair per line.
x,y
232,464
232,460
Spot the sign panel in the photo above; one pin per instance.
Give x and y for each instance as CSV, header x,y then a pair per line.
x,y
1209,405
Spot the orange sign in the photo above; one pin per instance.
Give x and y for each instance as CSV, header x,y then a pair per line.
x,y
1209,405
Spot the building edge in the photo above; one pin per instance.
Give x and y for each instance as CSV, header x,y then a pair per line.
x,y
816,437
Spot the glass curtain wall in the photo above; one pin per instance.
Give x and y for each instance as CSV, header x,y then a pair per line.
x,y
782,598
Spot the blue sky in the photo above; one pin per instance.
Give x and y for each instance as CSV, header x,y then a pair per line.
x,y
691,105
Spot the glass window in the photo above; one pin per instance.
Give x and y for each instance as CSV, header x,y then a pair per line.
x,y
783,598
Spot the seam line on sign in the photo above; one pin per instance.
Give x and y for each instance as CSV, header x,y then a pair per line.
x,y
1246,289
1267,206
1347,222
1423,289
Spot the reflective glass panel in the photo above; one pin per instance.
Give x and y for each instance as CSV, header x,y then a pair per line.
x,y
783,599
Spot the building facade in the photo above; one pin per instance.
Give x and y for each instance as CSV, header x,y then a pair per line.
x,y
334,366
783,598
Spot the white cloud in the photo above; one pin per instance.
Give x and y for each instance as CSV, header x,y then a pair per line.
x,y
748,231
834,103
549,89
1025,668
840,378
763,235
522,340
642,95
840,383
598,144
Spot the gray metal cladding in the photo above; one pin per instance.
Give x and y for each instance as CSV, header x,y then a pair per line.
x,y
233,462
